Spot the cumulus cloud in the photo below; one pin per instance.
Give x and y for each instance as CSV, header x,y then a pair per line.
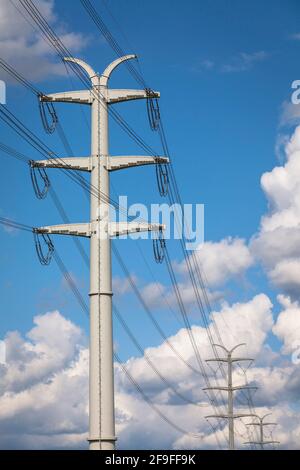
x,y
248,322
287,326
277,244
22,45
286,276
122,285
44,387
290,113
44,391
221,261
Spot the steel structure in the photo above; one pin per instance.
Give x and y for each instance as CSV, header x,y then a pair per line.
x,y
230,389
100,230
261,423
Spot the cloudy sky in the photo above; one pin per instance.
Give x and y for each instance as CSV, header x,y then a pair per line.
x,y
224,70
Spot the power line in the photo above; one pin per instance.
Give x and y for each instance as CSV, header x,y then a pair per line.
x,y
12,121
48,33
85,309
55,42
24,159
150,361
13,224
98,21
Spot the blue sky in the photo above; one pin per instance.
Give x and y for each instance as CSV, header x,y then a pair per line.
x,y
224,70
221,125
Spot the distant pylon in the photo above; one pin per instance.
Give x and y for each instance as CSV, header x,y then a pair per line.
x,y
231,416
262,442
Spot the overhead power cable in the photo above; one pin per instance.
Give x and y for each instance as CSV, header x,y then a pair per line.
x,y
31,4
163,179
13,224
24,159
85,309
154,118
100,24
54,41
148,310
12,121
151,404
150,361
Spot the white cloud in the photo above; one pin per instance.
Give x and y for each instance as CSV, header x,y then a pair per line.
x,y
247,322
277,244
286,276
122,285
239,63
23,46
44,387
290,113
244,61
221,261
287,326
52,344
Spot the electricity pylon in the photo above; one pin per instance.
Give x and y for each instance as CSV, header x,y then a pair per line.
x,y
231,416
262,442
100,230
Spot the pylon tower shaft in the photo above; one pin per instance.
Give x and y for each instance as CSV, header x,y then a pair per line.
x,y
99,230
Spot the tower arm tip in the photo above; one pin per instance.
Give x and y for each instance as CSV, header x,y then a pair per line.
x,y
111,67
86,67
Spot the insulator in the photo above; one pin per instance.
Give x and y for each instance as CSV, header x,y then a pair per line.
x,y
48,115
36,172
153,110
43,257
162,178
159,248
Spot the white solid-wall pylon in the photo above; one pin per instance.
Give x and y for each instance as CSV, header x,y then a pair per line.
x,y
100,164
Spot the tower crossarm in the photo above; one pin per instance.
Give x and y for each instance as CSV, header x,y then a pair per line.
x,y
261,424
77,97
87,96
85,163
122,162
79,230
118,229
69,163
229,359
117,96
227,416
260,443
232,389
